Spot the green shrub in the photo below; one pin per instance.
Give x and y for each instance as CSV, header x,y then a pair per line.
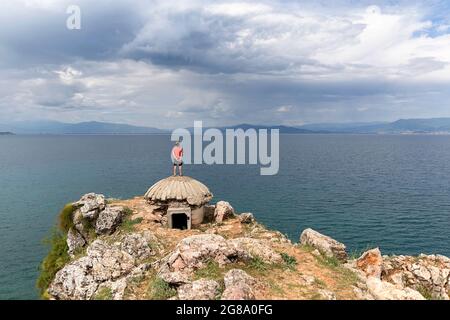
x,y
160,289
65,218
54,261
258,264
290,261
127,212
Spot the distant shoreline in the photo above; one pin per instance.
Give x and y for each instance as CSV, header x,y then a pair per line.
x,y
281,133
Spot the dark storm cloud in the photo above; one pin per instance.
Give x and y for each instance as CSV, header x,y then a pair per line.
x,y
167,63
36,34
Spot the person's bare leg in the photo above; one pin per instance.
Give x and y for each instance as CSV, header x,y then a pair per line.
x,y
180,168
174,170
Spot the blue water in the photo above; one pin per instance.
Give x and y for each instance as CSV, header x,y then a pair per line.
x,y
389,191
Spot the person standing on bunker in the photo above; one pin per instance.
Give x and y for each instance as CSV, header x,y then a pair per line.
x,y
177,158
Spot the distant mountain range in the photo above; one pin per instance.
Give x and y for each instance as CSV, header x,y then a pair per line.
x,y
93,127
403,126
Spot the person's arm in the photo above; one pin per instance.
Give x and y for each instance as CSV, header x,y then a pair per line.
x,y
174,154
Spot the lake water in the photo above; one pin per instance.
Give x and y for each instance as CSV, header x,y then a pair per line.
x,y
363,190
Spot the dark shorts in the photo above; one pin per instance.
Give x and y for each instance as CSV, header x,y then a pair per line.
x,y
178,163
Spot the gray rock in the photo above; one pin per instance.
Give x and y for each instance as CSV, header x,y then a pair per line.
x,y
174,278
137,245
427,272
108,220
202,289
80,279
323,243
90,205
257,248
223,211
75,241
74,281
238,285
109,262
383,290
247,217
192,252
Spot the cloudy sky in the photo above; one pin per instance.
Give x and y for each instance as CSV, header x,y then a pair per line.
x,y
168,63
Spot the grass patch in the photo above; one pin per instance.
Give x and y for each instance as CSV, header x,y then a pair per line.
x,y
258,264
289,261
211,270
127,212
104,293
307,248
65,218
344,276
348,277
331,262
129,225
160,289
425,292
54,261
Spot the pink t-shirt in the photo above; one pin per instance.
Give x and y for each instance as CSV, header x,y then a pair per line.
x,y
177,152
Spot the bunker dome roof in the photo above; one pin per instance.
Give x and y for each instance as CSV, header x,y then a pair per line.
x,y
179,188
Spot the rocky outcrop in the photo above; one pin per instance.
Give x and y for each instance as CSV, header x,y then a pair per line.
x,y
383,290
326,245
105,265
202,289
108,220
404,277
74,281
90,205
139,245
238,285
223,211
116,262
194,252
92,214
370,263
257,248
246,217
429,274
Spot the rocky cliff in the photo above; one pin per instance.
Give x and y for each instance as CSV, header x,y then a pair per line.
x,y
118,249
